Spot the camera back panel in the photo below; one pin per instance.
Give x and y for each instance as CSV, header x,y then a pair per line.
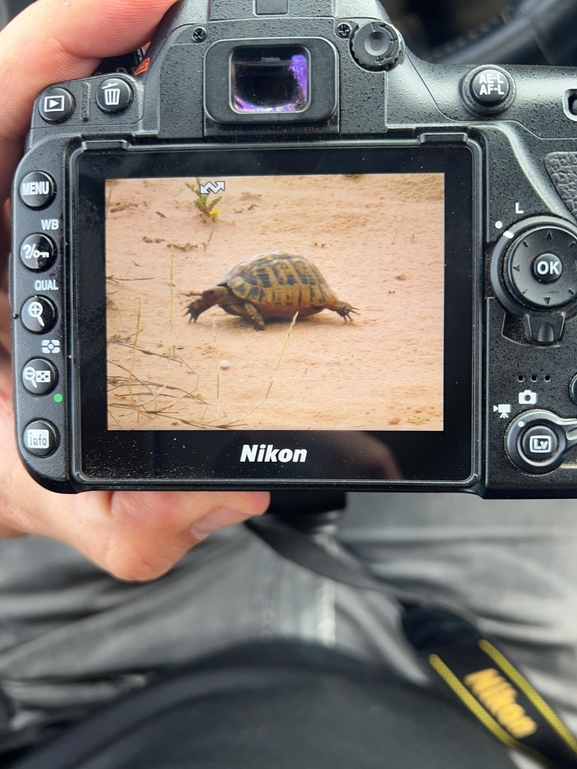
x,y
379,256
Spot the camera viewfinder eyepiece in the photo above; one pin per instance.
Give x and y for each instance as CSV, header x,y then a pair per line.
x,y
270,79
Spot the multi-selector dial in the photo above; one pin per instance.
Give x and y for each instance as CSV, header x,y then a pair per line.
x,y
534,274
540,268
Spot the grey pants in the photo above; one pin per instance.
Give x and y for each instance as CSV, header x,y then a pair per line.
x,y
72,637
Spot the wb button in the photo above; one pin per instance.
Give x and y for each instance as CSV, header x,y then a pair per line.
x,y
539,443
547,268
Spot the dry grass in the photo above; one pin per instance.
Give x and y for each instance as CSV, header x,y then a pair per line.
x,y
152,399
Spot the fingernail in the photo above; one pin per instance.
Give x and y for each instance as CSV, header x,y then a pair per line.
x,y
219,519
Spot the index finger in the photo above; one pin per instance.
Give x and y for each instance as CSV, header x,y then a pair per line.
x,y
56,40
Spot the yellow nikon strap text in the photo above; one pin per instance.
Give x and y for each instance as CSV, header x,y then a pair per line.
x,y
492,688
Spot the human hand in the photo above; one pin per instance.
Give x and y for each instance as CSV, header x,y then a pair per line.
x,y
133,535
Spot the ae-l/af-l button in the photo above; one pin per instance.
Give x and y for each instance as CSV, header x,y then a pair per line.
x,y
490,87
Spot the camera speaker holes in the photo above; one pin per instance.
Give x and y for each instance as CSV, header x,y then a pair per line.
x,y
534,378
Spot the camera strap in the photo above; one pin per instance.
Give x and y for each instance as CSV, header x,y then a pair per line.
x,y
467,663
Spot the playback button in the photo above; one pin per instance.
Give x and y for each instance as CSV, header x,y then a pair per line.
x,y
40,438
39,376
56,105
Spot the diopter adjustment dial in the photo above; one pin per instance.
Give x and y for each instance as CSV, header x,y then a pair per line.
x,y
377,46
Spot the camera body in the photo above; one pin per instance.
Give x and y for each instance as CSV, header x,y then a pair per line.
x,y
272,170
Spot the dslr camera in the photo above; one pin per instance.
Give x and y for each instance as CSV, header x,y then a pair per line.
x,y
283,252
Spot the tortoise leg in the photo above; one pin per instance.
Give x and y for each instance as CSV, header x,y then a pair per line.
x,y
344,309
248,310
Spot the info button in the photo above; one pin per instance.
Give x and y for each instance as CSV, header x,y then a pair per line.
x,y
40,438
539,443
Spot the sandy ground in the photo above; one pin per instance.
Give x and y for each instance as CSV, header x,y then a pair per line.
x,y
378,241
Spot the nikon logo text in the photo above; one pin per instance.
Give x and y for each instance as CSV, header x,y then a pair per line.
x,y
500,699
264,453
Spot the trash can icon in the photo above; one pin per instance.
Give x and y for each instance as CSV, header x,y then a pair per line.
x,y
111,95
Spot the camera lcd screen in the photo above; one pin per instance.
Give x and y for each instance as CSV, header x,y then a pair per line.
x,y
301,286
275,315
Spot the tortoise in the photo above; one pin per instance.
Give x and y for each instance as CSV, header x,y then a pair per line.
x,y
267,286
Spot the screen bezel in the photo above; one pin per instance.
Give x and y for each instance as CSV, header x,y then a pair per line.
x,y
207,457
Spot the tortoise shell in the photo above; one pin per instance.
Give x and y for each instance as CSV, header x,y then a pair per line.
x,y
280,280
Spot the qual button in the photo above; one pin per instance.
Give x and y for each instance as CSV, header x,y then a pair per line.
x,y
38,315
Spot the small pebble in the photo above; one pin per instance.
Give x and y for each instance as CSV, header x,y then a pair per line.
x,y
225,364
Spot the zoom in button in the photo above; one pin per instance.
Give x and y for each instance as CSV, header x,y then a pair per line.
x,y
38,315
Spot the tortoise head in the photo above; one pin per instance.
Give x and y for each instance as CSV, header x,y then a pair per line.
x,y
216,294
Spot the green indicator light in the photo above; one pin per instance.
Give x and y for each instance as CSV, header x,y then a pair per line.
x,y
58,398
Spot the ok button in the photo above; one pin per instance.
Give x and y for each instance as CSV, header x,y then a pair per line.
x,y
547,268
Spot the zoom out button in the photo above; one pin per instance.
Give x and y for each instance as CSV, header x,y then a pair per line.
x,y
39,376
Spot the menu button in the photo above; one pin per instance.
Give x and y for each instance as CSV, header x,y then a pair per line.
x,y
37,189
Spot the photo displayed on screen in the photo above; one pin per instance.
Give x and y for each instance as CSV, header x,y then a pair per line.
x,y
317,301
